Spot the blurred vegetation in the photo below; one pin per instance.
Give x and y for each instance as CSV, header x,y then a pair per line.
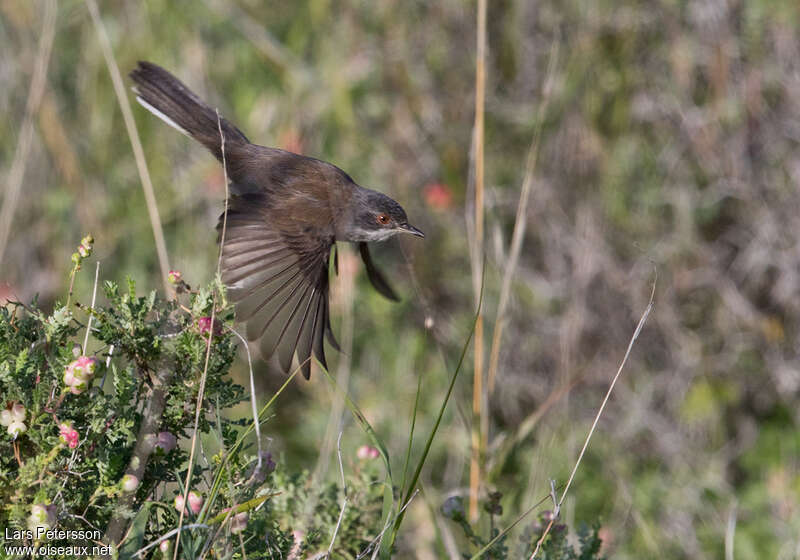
x,y
670,142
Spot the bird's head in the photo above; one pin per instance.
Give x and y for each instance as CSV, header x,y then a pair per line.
x,y
378,217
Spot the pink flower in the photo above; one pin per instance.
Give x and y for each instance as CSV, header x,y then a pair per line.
x,y
129,483
180,504
195,502
85,248
367,452
438,196
79,373
68,434
166,442
204,326
239,522
165,546
174,277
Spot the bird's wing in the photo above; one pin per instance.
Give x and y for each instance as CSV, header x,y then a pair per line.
x,y
379,282
276,271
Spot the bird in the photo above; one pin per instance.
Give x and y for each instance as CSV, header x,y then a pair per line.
x,y
285,213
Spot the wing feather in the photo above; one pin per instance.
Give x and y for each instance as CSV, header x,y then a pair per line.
x,y
277,276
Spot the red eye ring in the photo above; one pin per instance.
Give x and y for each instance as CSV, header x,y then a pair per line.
x,y
382,219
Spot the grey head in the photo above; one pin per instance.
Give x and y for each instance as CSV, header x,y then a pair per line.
x,y
376,217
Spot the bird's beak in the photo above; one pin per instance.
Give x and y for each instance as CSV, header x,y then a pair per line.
x,y
408,228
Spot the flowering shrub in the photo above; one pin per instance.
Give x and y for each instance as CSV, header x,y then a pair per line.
x,y
97,438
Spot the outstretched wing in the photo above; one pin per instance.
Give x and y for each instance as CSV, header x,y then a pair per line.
x,y
276,271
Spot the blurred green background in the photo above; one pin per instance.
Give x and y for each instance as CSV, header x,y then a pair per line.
x,y
670,143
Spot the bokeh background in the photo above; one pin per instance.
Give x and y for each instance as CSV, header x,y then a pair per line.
x,y
669,147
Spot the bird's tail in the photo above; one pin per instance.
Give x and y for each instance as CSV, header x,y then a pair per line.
x,y
169,99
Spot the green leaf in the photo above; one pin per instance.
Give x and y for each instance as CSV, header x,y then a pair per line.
x,y
137,532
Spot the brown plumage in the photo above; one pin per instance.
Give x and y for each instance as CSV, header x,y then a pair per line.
x,y
285,213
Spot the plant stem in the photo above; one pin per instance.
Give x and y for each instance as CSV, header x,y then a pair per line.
x,y
156,400
480,419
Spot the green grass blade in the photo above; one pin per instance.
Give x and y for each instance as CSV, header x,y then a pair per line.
x,y
428,444
236,446
246,506
136,535
411,435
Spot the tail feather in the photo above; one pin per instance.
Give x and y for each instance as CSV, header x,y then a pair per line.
x,y
169,99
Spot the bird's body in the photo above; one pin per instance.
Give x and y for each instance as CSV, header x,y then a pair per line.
x,y
285,213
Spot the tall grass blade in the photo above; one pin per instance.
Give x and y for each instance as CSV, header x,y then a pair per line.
x,y
235,447
428,444
411,435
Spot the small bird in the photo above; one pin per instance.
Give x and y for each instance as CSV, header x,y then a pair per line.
x,y
285,214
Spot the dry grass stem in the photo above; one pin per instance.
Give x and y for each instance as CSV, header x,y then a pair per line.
x,y
480,418
344,491
167,535
730,532
133,135
35,93
201,390
636,333
253,399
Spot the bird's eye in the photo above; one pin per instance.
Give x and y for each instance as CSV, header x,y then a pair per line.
x,y
382,219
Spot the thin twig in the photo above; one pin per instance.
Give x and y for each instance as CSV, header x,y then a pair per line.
x,y
202,388
636,333
108,363
133,135
91,309
227,194
253,402
554,497
22,151
730,532
167,535
520,221
344,491
253,399
479,420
